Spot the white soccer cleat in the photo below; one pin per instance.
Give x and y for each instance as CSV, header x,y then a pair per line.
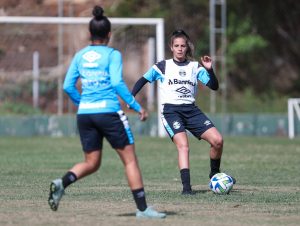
x,y
56,192
149,213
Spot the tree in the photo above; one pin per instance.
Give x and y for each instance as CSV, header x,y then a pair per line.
x,y
264,45
263,50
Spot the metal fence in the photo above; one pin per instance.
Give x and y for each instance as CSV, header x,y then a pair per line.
x,y
228,125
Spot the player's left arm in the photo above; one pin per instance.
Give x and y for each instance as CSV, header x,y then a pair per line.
x,y
213,82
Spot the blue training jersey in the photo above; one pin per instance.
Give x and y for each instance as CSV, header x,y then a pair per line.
x,y
100,69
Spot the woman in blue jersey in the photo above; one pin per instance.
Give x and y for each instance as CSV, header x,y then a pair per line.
x,y
99,115
177,80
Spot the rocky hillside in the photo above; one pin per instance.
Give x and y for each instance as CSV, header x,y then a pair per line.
x,y
18,42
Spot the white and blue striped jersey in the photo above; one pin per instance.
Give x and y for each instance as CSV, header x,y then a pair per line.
x,y
177,81
100,69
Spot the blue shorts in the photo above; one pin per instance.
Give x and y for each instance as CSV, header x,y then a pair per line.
x,y
179,118
112,126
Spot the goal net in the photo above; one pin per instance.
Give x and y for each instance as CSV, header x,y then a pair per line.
x,y
35,53
294,117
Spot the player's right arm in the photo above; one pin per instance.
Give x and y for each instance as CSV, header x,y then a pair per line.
x,y
143,114
138,85
153,74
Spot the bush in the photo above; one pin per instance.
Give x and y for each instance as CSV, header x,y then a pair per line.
x,y
17,109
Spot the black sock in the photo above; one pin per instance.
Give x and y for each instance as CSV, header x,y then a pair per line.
x,y
185,179
214,167
68,179
140,199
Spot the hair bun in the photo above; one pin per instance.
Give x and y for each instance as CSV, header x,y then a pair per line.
x,y
98,12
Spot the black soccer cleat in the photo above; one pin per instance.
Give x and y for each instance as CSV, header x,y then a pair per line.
x,y
233,179
188,192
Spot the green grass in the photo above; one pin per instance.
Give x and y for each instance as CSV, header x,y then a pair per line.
x,y
267,190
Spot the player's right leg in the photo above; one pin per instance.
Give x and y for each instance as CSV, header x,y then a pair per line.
x,y
57,187
134,177
181,142
175,128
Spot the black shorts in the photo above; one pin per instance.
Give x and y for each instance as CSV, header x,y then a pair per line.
x,y
179,118
112,126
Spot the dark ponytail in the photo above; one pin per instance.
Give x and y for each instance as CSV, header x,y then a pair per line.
x,y
98,12
99,26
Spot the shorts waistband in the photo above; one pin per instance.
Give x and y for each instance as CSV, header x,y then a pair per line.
x,y
179,105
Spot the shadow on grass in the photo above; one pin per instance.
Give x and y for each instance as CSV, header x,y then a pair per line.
x,y
203,191
169,213
244,190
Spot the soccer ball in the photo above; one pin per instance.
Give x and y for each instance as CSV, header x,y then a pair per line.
x,y
221,183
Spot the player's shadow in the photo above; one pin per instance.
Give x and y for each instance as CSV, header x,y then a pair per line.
x,y
201,191
244,190
169,213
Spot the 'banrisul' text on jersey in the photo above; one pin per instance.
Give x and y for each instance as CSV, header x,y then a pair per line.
x,y
177,81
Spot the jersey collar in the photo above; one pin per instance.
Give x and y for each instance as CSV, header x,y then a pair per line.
x,y
183,63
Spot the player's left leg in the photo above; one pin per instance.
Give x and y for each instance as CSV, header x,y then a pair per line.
x,y
215,139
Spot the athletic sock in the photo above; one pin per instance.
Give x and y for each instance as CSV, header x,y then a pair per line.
x,y
139,198
185,179
214,167
68,179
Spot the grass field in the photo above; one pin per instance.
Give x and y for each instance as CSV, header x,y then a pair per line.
x,y
267,190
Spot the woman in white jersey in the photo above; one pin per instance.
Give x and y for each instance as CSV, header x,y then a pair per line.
x,y
177,80
99,114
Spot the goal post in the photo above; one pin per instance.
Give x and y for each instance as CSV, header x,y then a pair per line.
x,y
159,36
293,113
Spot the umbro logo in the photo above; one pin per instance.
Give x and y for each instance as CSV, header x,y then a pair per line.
x,y
140,194
207,123
183,90
91,56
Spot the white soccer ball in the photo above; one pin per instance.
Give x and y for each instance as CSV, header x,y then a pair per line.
x,y
221,183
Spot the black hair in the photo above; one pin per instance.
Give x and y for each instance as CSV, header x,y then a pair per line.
x,y
181,33
99,26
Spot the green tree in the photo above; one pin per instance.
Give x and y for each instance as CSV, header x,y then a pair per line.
x,y
263,48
